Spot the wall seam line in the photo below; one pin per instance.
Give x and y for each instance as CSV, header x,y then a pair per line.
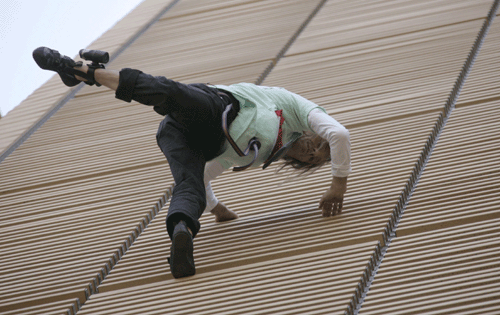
x,y
288,44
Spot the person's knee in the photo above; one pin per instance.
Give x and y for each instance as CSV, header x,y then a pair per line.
x,y
168,128
160,134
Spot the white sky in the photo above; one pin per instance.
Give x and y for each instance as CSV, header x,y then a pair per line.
x,y
64,25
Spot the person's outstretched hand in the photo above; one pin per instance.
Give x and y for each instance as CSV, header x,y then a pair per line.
x,y
332,201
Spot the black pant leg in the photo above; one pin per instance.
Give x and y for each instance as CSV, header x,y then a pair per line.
x,y
187,164
194,102
190,135
144,88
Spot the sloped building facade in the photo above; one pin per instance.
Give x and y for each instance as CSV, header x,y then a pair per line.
x,y
85,190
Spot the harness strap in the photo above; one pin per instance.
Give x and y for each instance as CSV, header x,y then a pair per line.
x,y
253,144
282,151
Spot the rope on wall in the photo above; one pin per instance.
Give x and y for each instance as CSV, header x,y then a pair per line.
x,y
370,272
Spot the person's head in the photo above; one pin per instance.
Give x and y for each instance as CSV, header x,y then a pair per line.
x,y
307,153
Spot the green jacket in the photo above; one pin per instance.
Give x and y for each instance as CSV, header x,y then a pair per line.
x,y
257,118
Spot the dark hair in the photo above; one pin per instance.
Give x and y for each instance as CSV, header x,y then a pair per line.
x,y
304,167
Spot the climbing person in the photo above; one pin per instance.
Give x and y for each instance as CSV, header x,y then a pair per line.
x,y
208,129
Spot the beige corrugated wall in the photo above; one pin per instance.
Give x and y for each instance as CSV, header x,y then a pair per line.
x,y
35,106
82,198
445,258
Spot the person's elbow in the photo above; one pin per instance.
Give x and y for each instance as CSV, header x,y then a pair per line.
x,y
344,134
340,135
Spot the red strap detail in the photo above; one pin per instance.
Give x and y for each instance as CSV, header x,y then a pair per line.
x,y
279,140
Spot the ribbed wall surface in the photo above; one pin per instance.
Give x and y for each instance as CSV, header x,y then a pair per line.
x,y
82,189
79,191
445,258
40,102
273,286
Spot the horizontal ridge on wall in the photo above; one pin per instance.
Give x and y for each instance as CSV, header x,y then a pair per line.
x,y
390,231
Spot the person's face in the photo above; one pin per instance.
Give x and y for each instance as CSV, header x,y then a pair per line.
x,y
309,151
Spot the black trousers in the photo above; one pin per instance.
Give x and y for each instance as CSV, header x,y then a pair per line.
x,y
190,135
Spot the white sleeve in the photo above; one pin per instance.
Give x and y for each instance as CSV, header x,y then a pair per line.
x,y
212,170
338,138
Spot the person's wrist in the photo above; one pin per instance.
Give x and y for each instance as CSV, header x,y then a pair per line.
x,y
339,180
339,183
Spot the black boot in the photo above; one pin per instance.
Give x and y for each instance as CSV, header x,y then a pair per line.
x,y
67,68
181,253
49,59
